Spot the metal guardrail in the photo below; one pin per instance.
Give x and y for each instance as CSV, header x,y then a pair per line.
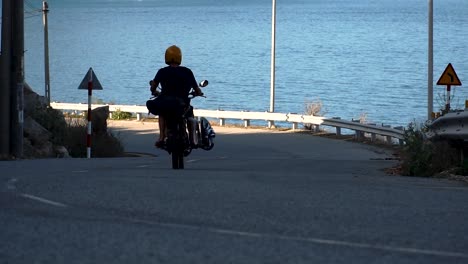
x,y
360,129
452,125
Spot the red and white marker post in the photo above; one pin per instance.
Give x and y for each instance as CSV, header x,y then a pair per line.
x,y
90,83
90,130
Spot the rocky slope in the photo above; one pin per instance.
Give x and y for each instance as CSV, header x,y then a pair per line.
x,y
38,141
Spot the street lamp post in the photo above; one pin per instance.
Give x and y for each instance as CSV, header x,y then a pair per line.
x,y
273,48
430,64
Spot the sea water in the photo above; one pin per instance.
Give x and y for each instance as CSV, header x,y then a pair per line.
x,y
358,58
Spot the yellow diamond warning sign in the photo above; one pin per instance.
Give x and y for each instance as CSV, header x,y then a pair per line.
x,y
449,77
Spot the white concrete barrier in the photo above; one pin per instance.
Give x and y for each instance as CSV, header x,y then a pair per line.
x,y
247,116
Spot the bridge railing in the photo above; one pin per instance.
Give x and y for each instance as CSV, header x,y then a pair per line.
x,y
387,132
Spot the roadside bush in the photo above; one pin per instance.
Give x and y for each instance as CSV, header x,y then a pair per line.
x,y
313,108
464,168
102,145
422,157
52,120
121,115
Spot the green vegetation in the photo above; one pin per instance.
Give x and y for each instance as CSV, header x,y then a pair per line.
x,y
464,167
121,115
422,157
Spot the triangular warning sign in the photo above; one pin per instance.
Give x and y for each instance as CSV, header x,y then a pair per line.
x,y
449,77
90,76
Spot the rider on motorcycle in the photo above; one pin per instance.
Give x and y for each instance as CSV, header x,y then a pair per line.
x,y
176,83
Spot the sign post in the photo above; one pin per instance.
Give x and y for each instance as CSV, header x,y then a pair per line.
x,y
449,77
90,83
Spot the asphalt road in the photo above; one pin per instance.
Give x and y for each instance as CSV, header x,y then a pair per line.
x,y
257,197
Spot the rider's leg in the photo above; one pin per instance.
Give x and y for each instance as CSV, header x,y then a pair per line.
x,y
191,124
162,128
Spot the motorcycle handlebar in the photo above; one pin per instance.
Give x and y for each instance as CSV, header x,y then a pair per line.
x,y
192,94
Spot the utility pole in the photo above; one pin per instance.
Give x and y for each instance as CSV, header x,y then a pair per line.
x,y
5,81
17,79
45,10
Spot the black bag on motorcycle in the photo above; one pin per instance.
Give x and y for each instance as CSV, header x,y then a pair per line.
x,y
166,105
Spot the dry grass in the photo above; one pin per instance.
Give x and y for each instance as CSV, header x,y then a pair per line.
x,y
102,145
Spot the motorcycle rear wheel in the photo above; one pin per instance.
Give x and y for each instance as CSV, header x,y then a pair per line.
x,y
177,160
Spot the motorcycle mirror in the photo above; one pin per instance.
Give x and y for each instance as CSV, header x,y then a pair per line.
x,y
203,83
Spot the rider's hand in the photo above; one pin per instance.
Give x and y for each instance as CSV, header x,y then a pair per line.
x,y
198,92
155,92
153,87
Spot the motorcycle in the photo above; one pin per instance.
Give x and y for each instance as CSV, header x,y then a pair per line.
x,y
185,132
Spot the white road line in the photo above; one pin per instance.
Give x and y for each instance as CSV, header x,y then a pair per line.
x,y
348,244
81,171
446,188
43,200
203,159
406,250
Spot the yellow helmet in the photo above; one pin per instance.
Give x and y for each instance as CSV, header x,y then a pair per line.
x,y
173,55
